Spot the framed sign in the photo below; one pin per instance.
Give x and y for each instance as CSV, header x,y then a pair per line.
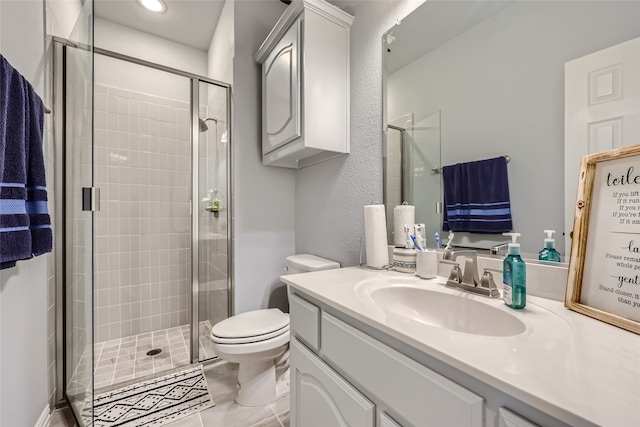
x,y
604,270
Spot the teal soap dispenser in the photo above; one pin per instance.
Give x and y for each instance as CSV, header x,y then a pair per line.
x,y
514,275
549,253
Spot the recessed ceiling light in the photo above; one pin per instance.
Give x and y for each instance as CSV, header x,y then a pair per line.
x,y
157,6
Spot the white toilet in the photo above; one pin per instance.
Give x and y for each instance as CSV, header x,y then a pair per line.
x,y
259,342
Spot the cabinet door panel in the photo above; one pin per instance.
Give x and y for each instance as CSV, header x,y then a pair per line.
x,y
386,421
511,419
281,92
423,397
321,398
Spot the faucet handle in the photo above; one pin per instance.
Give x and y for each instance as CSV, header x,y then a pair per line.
x,y
456,273
488,283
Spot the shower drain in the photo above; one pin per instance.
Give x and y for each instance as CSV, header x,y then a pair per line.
x,y
154,352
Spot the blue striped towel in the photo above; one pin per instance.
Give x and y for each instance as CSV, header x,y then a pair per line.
x,y
25,226
476,197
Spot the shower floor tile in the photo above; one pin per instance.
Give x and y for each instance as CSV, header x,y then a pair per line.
x,y
126,359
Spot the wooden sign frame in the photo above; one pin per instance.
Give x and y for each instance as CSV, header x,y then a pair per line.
x,y
607,193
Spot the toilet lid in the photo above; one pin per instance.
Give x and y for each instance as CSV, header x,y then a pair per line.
x,y
251,324
249,340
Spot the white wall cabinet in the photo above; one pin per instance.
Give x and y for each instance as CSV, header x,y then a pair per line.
x,y
343,376
305,85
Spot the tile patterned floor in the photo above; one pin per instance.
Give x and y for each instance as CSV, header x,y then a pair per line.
x,y
221,377
126,359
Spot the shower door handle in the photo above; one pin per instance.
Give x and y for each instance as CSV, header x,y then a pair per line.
x,y
90,199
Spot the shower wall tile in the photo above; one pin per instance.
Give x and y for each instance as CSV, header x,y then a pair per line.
x,y
142,165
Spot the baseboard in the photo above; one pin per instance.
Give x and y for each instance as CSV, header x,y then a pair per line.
x,y
43,420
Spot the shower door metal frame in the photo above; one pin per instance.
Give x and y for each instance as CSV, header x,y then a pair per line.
x,y
59,55
60,262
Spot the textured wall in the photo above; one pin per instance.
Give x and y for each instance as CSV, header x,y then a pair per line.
x,y
330,196
264,218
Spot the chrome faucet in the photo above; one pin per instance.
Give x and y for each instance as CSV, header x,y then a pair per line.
x,y
468,279
495,250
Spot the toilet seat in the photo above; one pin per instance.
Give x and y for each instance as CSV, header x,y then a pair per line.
x,y
247,340
250,327
256,350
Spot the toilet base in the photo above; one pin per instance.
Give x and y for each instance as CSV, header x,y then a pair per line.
x,y
258,385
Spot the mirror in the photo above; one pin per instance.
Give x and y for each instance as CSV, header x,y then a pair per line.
x,y
494,71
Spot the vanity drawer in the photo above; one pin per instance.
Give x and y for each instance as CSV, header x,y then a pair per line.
x,y
305,321
422,396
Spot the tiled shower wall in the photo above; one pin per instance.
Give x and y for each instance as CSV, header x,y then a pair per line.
x,y
143,232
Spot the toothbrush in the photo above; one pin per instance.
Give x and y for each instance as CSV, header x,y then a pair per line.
x,y
415,242
437,237
449,240
406,237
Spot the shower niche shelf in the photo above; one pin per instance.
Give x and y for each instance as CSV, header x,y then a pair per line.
x,y
305,85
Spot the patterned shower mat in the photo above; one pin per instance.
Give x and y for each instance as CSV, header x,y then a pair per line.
x,y
154,402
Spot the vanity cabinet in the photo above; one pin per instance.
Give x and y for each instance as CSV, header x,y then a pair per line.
x,y
344,376
351,365
322,397
305,85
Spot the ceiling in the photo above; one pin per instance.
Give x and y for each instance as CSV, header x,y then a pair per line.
x,y
189,22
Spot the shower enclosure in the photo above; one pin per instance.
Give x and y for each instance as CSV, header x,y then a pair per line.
x,y
147,217
411,169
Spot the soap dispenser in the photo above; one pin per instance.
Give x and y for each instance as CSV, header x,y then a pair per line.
x,y
514,275
549,252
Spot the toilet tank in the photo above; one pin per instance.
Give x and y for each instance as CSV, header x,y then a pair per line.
x,y
304,263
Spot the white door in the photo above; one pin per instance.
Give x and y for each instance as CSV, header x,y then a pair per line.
x,y
602,111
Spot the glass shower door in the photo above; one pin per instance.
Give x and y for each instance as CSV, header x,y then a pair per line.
x,y
212,211
79,233
421,168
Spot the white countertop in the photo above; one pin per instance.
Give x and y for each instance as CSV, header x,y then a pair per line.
x,y
582,369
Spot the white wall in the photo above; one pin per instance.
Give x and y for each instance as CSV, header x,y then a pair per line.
x,y
23,289
330,196
62,16
117,38
263,196
138,78
220,54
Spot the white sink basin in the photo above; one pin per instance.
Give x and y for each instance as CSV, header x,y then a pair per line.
x,y
429,303
451,312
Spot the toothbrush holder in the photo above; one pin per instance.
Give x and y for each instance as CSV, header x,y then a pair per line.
x,y
427,264
404,260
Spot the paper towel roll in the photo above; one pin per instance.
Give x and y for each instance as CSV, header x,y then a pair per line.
x,y
375,236
402,214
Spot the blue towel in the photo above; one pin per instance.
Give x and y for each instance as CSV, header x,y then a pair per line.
x,y
476,197
25,226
